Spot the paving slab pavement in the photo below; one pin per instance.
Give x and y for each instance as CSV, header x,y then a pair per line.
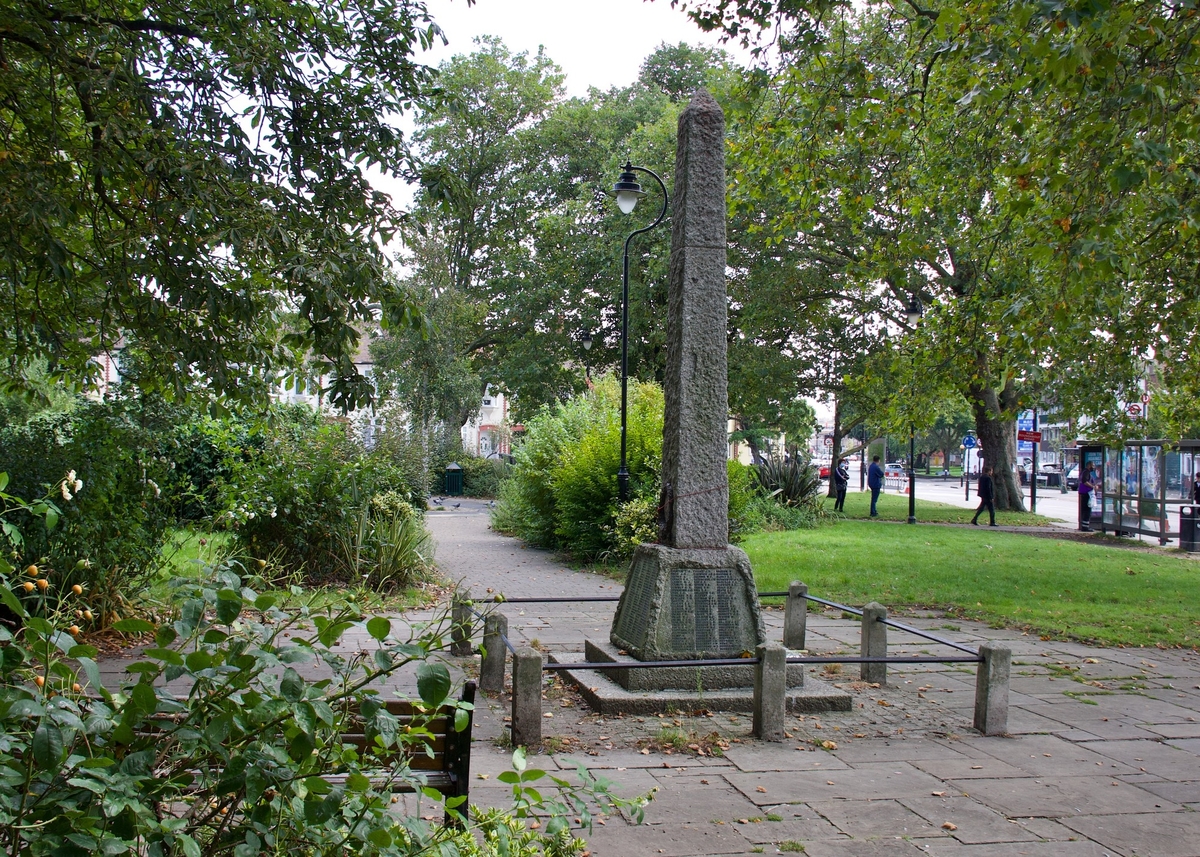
x,y
1106,769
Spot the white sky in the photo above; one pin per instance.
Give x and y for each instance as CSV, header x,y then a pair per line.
x,y
599,43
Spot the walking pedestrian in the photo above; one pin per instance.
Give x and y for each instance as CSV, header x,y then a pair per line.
x,y
841,481
875,483
987,497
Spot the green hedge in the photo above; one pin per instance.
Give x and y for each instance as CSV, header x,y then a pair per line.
x,y
112,530
302,498
563,491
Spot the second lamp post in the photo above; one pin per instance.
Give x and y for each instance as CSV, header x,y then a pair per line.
x,y
628,192
913,312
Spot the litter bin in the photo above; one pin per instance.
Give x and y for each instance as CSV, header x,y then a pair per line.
x,y
1187,527
453,480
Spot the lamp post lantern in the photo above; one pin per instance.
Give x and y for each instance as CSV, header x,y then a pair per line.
x,y
628,191
913,313
586,340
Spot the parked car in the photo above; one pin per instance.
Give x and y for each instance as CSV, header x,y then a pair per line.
x,y
1073,478
894,469
824,471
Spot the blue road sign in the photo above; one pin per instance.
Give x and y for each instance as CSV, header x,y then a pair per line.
x,y
969,441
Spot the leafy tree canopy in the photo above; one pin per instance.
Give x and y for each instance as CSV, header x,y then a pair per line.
x,y
190,175
1084,117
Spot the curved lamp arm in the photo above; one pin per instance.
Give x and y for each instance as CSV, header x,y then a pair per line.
x,y
623,472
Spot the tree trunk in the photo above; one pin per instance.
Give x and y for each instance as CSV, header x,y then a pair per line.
x,y
755,452
997,439
836,449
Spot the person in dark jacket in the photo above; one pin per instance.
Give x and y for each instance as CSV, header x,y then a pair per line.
x,y
875,483
841,481
987,497
1087,488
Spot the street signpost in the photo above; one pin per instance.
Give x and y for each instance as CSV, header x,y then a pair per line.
x,y
968,444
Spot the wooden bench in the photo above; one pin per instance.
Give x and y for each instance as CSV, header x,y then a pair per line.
x,y
442,760
444,767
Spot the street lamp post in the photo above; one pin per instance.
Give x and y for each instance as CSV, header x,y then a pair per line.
x,y
628,192
913,312
586,340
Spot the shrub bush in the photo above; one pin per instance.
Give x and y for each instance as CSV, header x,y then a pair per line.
x,y
303,497
794,482
789,495
527,505
218,746
204,451
110,536
563,491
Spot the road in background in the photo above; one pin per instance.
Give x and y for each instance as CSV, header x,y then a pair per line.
x,y
1062,509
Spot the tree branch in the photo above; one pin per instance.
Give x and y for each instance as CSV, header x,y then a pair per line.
x,y
133,25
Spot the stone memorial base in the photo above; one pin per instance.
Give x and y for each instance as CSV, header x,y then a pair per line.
x,y
688,604
684,604
694,679
605,696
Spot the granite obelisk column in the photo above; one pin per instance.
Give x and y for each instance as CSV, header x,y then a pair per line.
x,y
692,595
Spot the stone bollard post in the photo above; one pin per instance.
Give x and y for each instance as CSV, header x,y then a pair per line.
x,y
491,667
795,616
991,689
527,698
770,692
461,625
874,642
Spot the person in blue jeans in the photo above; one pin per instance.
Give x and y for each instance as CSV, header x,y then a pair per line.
x,y
875,483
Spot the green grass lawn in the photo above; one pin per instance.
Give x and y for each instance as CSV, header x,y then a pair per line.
x,y
185,556
894,507
1094,591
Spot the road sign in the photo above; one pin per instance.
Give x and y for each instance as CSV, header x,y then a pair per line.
x,y
1030,436
1134,410
969,441
829,441
1145,398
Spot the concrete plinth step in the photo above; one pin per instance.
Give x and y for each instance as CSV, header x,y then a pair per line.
x,y
710,679
607,697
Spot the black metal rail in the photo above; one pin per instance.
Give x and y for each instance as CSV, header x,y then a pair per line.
x,y
508,645
972,655
500,599
892,623
737,662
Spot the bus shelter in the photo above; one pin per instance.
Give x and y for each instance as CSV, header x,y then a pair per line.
x,y
1145,484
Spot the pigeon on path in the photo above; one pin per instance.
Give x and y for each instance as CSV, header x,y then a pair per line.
x,y
456,505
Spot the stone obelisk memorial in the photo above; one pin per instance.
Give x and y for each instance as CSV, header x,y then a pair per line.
x,y
692,595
